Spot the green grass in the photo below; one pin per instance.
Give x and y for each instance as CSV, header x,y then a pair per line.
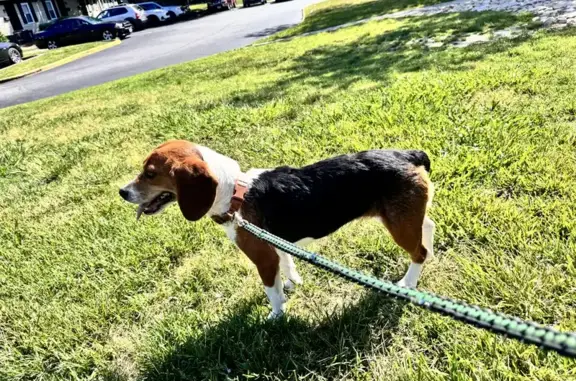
x,y
336,12
199,7
47,57
86,292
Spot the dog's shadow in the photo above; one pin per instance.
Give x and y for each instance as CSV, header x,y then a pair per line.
x,y
244,346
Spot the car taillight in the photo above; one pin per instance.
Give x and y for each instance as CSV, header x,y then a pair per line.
x,y
137,16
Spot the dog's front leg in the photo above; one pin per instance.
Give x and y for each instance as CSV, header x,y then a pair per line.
x,y
274,289
267,262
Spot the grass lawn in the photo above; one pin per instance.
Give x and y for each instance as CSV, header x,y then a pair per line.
x,y
46,57
199,7
89,293
329,13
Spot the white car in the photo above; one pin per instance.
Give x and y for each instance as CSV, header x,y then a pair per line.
x,y
130,13
155,13
173,11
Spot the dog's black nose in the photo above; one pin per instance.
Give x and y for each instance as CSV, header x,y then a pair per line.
x,y
123,193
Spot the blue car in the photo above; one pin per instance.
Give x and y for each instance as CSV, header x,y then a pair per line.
x,y
75,30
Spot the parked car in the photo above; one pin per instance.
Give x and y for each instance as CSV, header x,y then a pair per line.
x,y
218,5
10,53
131,13
249,3
157,13
75,30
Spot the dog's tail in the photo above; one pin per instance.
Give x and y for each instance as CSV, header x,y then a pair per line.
x,y
419,159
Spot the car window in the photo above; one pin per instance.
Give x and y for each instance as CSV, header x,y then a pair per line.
x,y
149,6
103,15
55,27
138,8
66,24
71,24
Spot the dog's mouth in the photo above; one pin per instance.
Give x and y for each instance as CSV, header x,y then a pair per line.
x,y
156,205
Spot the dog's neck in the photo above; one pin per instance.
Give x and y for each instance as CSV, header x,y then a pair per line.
x,y
226,171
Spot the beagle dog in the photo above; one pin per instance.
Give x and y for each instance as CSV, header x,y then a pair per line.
x,y
297,204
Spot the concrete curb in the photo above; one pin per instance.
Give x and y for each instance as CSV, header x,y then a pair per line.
x,y
302,18
63,61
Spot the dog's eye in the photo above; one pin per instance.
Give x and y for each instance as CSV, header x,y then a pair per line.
x,y
149,175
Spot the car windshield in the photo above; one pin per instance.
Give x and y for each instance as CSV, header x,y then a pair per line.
x,y
149,6
48,25
91,20
53,26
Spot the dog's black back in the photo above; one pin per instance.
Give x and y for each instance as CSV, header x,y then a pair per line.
x,y
318,199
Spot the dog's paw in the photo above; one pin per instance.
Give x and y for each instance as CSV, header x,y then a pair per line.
x,y
275,315
404,283
290,285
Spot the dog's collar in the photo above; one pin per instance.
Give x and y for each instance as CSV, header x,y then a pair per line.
x,y
240,189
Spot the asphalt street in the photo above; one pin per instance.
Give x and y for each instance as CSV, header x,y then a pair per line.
x,y
156,48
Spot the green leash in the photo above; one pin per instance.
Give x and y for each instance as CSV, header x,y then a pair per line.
x,y
525,331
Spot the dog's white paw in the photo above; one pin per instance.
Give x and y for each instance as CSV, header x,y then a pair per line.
x,y
405,283
290,284
275,315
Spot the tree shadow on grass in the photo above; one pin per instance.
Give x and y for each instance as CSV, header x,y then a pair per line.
x,y
243,345
270,31
376,57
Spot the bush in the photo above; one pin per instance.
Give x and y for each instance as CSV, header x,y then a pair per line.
x,y
3,38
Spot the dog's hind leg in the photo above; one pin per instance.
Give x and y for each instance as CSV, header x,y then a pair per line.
x,y
288,267
412,230
428,229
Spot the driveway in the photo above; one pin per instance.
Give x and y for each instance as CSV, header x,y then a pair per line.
x,y
158,47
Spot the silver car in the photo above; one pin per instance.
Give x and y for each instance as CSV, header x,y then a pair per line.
x,y
172,11
130,13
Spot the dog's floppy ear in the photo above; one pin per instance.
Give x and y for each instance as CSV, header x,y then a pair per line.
x,y
196,187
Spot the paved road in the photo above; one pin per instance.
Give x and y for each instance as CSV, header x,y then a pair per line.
x,y
158,47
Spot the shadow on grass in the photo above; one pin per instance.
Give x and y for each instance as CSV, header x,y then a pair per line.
x,y
270,31
376,57
327,17
242,345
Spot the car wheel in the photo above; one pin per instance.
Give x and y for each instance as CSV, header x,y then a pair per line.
x,y
52,44
246,5
171,16
14,55
153,20
107,35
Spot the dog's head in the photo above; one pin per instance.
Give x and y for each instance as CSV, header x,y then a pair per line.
x,y
174,171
